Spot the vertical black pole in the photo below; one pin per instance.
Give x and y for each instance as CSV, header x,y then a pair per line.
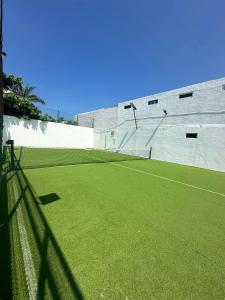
x,y
135,117
11,145
150,153
12,155
57,116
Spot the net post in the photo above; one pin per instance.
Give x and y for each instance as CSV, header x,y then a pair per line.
x,y
105,142
150,153
12,163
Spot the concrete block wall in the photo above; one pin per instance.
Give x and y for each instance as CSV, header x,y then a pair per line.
x,y
207,97
203,113
103,118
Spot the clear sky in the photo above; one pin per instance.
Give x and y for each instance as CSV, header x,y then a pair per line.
x,y
87,54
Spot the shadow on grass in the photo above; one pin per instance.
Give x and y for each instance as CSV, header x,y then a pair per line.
x,y
49,198
54,277
5,256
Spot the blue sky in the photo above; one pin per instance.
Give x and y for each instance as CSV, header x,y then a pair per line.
x,y
87,54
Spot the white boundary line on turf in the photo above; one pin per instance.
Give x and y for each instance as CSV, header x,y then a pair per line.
x,y
168,179
26,251
143,172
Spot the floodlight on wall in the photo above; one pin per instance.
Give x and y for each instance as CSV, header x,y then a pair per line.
x,y
133,106
165,112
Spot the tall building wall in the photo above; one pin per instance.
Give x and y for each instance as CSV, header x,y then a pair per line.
x,y
103,118
192,132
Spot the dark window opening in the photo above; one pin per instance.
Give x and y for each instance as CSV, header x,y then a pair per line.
x,y
186,95
153,102
191,135
127,106
223,87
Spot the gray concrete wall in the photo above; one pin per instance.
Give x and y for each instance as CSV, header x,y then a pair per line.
x,y
102,118
203,113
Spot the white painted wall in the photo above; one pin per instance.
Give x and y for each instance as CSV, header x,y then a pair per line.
x,y
34,133
101,118
203,113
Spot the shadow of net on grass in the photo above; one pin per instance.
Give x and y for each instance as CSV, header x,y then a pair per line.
x,y
5,249
54,279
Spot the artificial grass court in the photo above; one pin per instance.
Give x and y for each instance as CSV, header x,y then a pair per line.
x,y
129,229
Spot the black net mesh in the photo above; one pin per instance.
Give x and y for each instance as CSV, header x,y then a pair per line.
x,y
48,157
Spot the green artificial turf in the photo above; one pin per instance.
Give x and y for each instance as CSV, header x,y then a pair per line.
x,y
114,231
43,157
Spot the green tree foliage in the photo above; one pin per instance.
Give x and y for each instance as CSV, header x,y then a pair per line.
x,y
47,118
26,93
20,107
10,82
16,85
18,99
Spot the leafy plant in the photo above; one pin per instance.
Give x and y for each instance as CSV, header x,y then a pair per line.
x,y
18,99
20,107
47,118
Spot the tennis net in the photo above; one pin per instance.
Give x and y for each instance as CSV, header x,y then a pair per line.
x,y
28,158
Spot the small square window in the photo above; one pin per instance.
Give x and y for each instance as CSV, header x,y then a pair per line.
x,y
150,102
127,106
191,135
186,95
